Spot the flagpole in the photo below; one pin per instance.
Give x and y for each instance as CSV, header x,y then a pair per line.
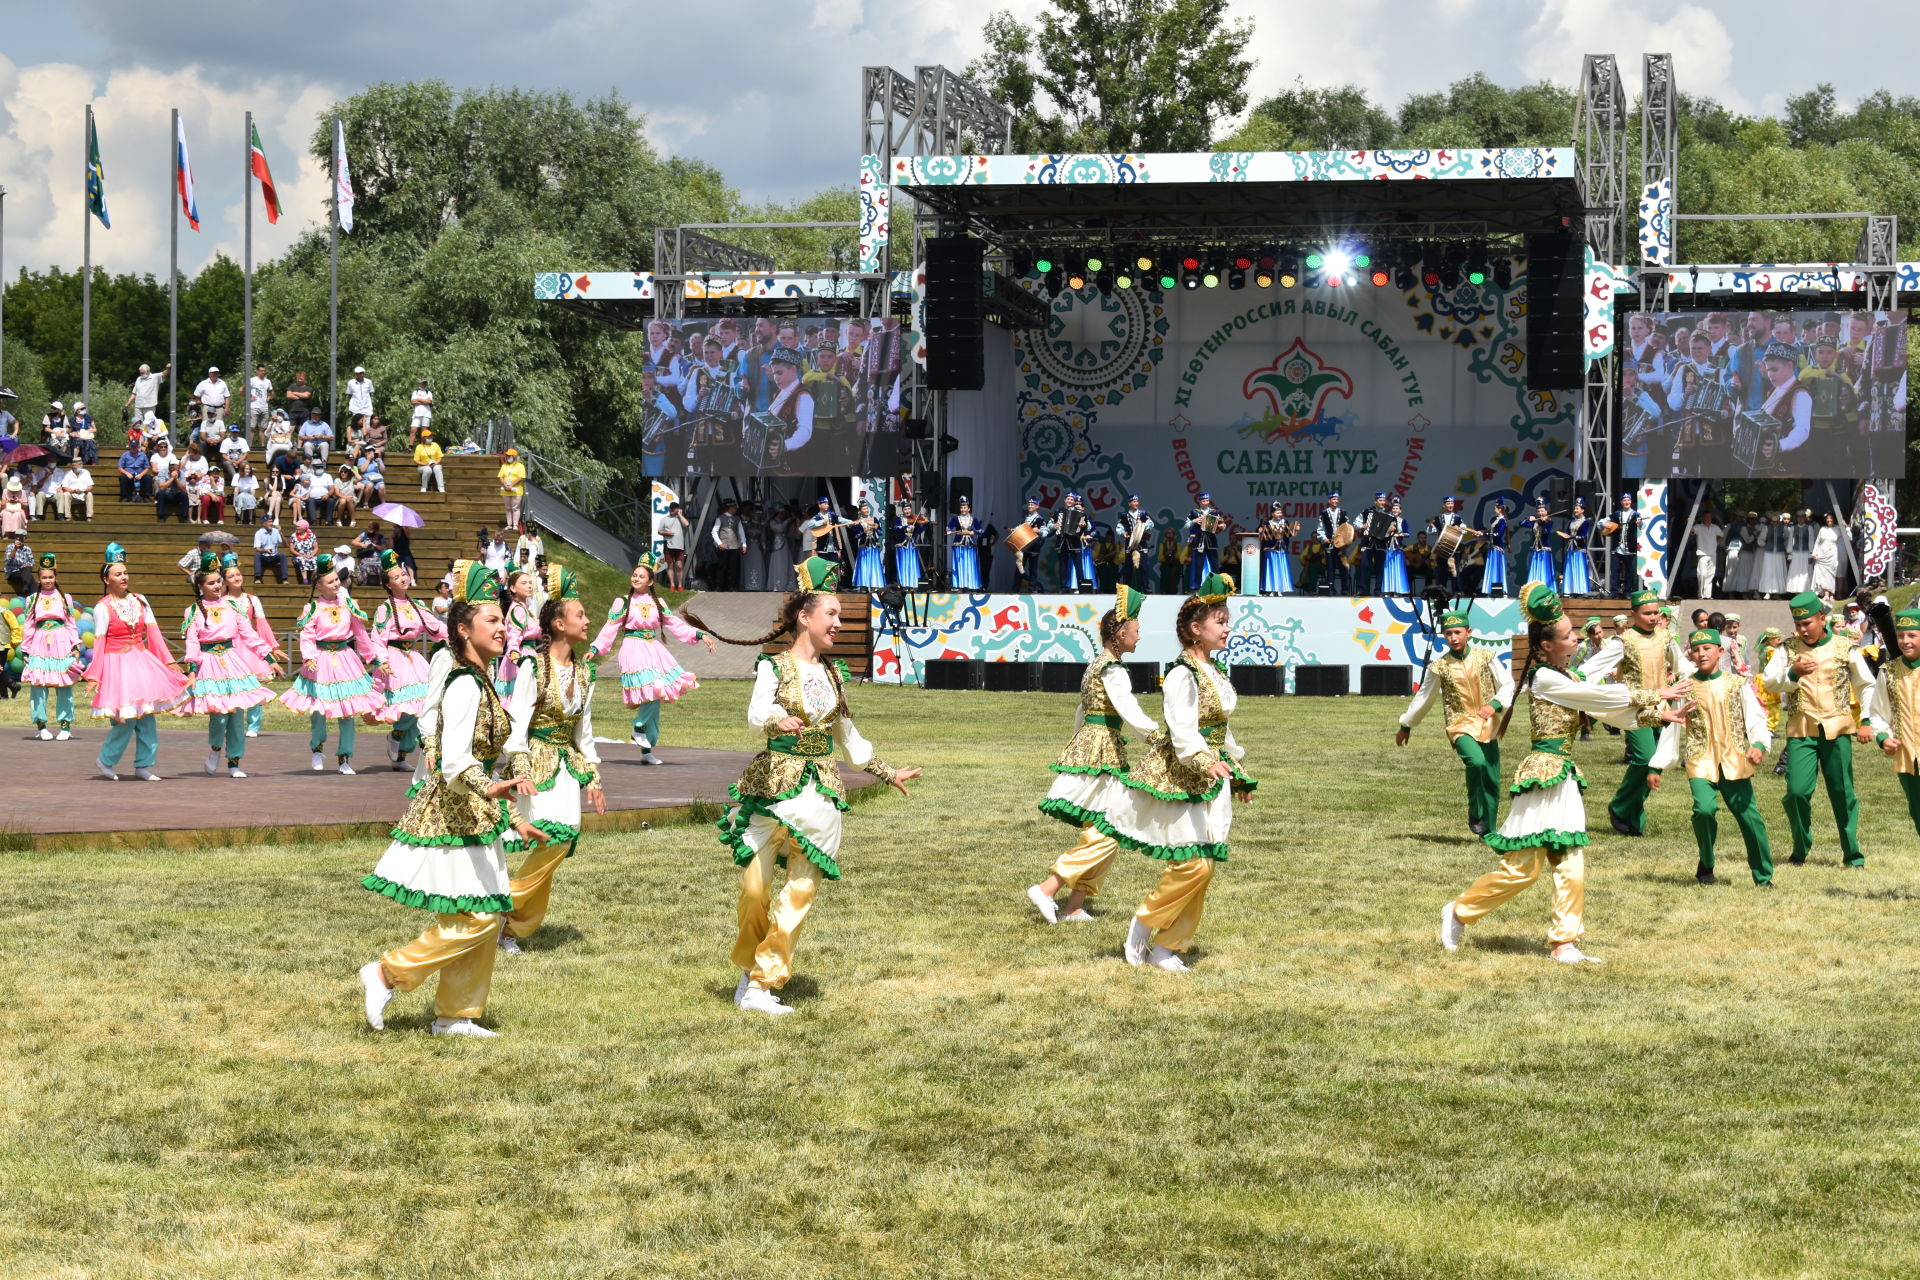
x,y
333,280
173,277
86,258
246,294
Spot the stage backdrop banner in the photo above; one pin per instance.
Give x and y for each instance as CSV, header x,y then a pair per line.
x,y
1353,633
1270,397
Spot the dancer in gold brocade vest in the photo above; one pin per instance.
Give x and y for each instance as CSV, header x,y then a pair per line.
x,y
1475,686
1893,713
1091,771
1824,674
1642,656
1724,737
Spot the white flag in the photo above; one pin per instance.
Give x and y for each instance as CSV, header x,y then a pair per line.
x,y
342,180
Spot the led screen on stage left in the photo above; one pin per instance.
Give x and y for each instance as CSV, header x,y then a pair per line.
x,y
741,397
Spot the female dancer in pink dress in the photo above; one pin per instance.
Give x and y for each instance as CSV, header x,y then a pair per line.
x,y
250,606
523,628
132,671
225,658
404,630
648,674
336,652
52,650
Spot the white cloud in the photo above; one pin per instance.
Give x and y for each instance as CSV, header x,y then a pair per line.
x,y
1701,45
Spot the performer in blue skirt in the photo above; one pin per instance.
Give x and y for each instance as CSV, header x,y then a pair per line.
x,y
1393,576
1578,577
907,528
963,557
1540,563
869,568
1493,582
1276,568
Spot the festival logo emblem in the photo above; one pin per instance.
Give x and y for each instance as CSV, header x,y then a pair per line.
x,y
1296,384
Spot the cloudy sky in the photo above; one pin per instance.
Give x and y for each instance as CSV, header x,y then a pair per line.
x,y
767,91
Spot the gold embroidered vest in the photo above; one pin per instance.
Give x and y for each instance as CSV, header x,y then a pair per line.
x,y
1822,701
1645,662
1903,693
1165,773
1717,736
1549,758
550,733
1466,685
439,815
781,769
1097,746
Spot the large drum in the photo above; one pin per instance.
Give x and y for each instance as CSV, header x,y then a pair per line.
x,y
1447,545
1343,535
1020,537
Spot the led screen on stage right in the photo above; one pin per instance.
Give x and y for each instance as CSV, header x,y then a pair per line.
x,y
1812,395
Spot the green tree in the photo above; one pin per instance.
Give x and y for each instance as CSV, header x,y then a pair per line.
x,y
1117,75
1307,119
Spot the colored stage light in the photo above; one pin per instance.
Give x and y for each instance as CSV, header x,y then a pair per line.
x,y
1143,263
1362,261
1243,260
1043,264
1167,281
1095,262
1336,261
1315,261
1476,277
1211,279
1263,278
1379,279
1288,279
1430,278
1191,280
1190,263
1076,280
1123,279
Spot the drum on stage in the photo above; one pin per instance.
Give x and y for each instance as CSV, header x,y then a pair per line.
x,y
1343,536
1019,537
1447,545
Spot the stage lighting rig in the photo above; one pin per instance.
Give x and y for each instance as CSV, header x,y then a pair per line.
x,y
1476,265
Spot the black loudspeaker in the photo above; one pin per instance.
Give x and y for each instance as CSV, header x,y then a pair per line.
x,y
1145,676
959,487
956,272
1007,677
916,428
1061,677
951,673
1386,682
1556,349
1259,682
1313,681
1560,496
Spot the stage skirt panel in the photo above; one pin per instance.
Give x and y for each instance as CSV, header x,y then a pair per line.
x,y
1276,573
964,568
1393,576
1579,575
1540,569
906,567
869,570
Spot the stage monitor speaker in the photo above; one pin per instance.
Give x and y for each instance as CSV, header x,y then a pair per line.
x,y
956,352
1007,677
1317,681
1061,677
951,673
1145,676
1590,492
1556,349
1386,682
958,487
1560,496
1259,682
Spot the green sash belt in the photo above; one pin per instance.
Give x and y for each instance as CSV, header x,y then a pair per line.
x,y
642,633
334,646
401,644
813,744
48,624
558,734
1216,734
1552,747
216,646
1106,722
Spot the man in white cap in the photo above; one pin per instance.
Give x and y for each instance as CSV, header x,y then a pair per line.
x,y
259,387
144,399
212,395
359,400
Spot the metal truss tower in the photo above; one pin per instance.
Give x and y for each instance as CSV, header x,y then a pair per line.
x,y
1600,134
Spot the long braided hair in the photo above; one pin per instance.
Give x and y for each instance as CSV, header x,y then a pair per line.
x,y
785,623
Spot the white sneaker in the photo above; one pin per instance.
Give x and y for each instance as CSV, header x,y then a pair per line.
x,y
235,771
461,1027
63,735
1077,916
319,762
106,771
1138,936
1568,953
253,733
763,1001
647,756
1161,958
347,770
510,944
146,775
46,734
212,765
740,990
1043,903
1451,930
378,994
393,749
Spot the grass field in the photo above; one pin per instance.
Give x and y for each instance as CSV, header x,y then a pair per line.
x,y
190,1092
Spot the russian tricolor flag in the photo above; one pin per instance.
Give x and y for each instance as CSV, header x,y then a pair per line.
x,y
183,174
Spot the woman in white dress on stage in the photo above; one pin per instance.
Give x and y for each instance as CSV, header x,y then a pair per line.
x,y
1826,556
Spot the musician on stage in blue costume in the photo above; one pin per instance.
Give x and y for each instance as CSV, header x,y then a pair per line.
x,y
1393,573
963,555
1376,532
817,536
659,426
1540,563
869,541
1276,569
1623,535
909,531
1026,559
1075,528
1450,563
1135,530
1339,574
1205,523
1577,579
1493,581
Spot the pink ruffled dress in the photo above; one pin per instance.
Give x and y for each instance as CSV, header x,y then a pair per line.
x,y
648,672
523,633
255,614
405,630
52,645
335,642
228,659
132,666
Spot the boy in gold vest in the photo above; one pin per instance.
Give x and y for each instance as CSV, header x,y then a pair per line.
x,y
1475,686
1643,656
1724,737
1893,715
1824,674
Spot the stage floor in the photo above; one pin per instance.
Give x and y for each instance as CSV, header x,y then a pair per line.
x,y
65,803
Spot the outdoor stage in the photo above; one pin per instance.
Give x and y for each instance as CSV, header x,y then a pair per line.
x,y
282,799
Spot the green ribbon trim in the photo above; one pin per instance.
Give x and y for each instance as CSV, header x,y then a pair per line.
x,y
477,904
1074,815
560,831
809,778
1552,840
1567,770
1091,770
733,829
337,691
217,688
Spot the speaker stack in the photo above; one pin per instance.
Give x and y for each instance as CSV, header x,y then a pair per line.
x,y
1259,682
951,673
1061,677
1008,677
1386,682
1145,676
1556,351
1316,681
956,354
